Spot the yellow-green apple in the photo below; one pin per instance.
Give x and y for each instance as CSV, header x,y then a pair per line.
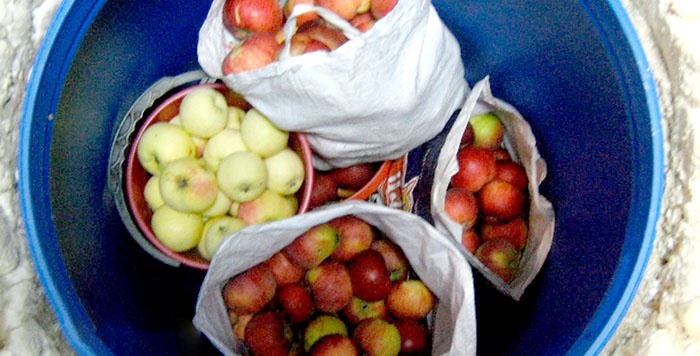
x,y
285,172
151,192
324,190
221,206
295,302
377,337
356,235
364,6
254,52
353,177
303,18
312,247
477,166
369,276
513,173
204,112
162,143
269,206
199,142
215,230
221,145
330,286
284,270
268,334
461,207
488,130
501,200
235,115
381,8
470,240
514,231
176,230
334,345
261,136
359,310
242,17
242,176
500,257
186,185
415,338
394,258
323,325
346,9
250,291
410,299
233,210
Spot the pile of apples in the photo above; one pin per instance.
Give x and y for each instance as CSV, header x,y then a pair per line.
x,y
215,169
258,26
340,288
489,197
340,183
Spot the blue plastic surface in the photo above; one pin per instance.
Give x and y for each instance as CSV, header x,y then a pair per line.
x,y
574,69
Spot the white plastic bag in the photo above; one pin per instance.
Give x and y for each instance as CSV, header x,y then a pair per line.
x,y
435,260
381,94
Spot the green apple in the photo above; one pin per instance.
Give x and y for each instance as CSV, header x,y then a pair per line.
x,y
233,210
261,135
321,326
242,176
176,230
285,172
214,231
221,206
162,143
204,112
199,142
151,192
221,145
186,185
269,206
235,115
488,130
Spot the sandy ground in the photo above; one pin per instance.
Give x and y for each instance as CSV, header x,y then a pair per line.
x,y
664,318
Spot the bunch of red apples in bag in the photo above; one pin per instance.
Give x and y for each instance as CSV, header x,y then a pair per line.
x,y
340,288
258,25
489,197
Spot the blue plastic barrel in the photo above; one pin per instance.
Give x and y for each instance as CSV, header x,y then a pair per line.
x,y
574,69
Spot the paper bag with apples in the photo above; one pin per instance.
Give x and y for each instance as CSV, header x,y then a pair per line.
x,y
433,259
375,97
493,211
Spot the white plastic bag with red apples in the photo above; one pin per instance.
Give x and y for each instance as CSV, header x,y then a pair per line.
x,y
433,257
376,97
520,143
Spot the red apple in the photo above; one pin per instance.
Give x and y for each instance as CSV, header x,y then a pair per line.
x,y
514,231
295,302
381,8
394,259
319,31
356,235
501,200
267,334
334,345
324,191
301,19
461,207
254,52
249,291
488,131
242,17
476,168
240,326
284,270
359,310
330,285
410,299
354,177
369,276
377,337
513,173
363,22
500,257
322,326
415,339
501,155
313,246
470,240
346,9
467,136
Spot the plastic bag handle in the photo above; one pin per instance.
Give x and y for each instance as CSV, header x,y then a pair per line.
x,y
290,27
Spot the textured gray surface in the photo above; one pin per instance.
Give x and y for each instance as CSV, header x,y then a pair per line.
x,y
664,317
